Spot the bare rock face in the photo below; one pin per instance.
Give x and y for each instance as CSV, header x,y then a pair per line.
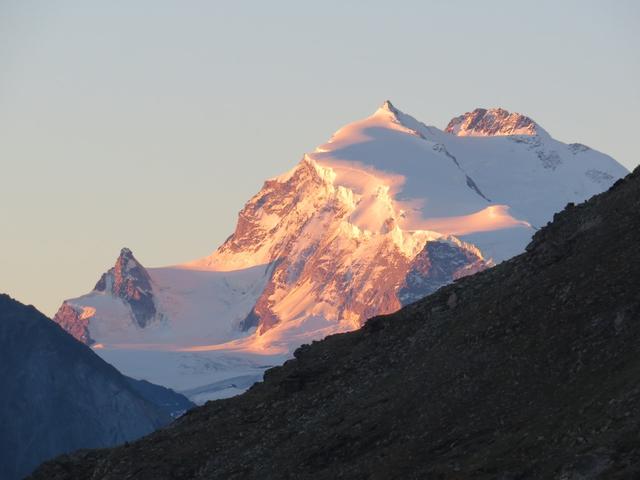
x,y
279,200
439,264
494,122
74,322
315,257
129,281
527,370
387,210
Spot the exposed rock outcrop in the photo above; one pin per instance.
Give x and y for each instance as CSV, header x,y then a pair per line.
x,y
493,122
129,281
527,370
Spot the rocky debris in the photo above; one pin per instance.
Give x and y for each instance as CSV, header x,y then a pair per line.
x,y
527,370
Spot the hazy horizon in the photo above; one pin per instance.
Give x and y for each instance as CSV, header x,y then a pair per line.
x,y
149,125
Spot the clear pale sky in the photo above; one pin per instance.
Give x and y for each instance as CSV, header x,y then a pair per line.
x,y
148,124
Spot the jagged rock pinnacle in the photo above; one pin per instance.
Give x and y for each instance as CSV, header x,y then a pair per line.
x,y
492,122
388,107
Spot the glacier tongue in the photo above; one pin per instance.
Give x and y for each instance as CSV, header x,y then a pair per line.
x,y
386,211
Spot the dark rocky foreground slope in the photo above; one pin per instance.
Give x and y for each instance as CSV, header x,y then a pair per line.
x,y
58,395
528,370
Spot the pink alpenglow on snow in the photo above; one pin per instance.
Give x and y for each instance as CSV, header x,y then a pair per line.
x,y
385,212
491,218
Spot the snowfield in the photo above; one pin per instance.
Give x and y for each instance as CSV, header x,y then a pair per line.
x,y
388,210
201,376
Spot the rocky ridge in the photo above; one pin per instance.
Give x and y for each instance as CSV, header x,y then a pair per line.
x,y
127,281
526,370
58,396
493,122
386,211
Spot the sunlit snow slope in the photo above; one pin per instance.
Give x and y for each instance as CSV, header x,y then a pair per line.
x,y
385,212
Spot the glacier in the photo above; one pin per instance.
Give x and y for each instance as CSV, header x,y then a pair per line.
x,y
385,212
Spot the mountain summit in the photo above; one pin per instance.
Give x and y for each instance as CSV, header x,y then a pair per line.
x,y
127,281
385,212
388,106
493,122
528,370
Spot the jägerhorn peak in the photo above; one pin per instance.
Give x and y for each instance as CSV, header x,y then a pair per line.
x,y
483,122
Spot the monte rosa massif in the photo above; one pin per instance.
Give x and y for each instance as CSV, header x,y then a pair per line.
x,y
384,213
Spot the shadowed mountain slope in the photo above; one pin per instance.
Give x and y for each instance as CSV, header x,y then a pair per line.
x,y
58,396
527,370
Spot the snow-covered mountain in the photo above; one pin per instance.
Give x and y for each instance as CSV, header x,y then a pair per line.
x,y
385,212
